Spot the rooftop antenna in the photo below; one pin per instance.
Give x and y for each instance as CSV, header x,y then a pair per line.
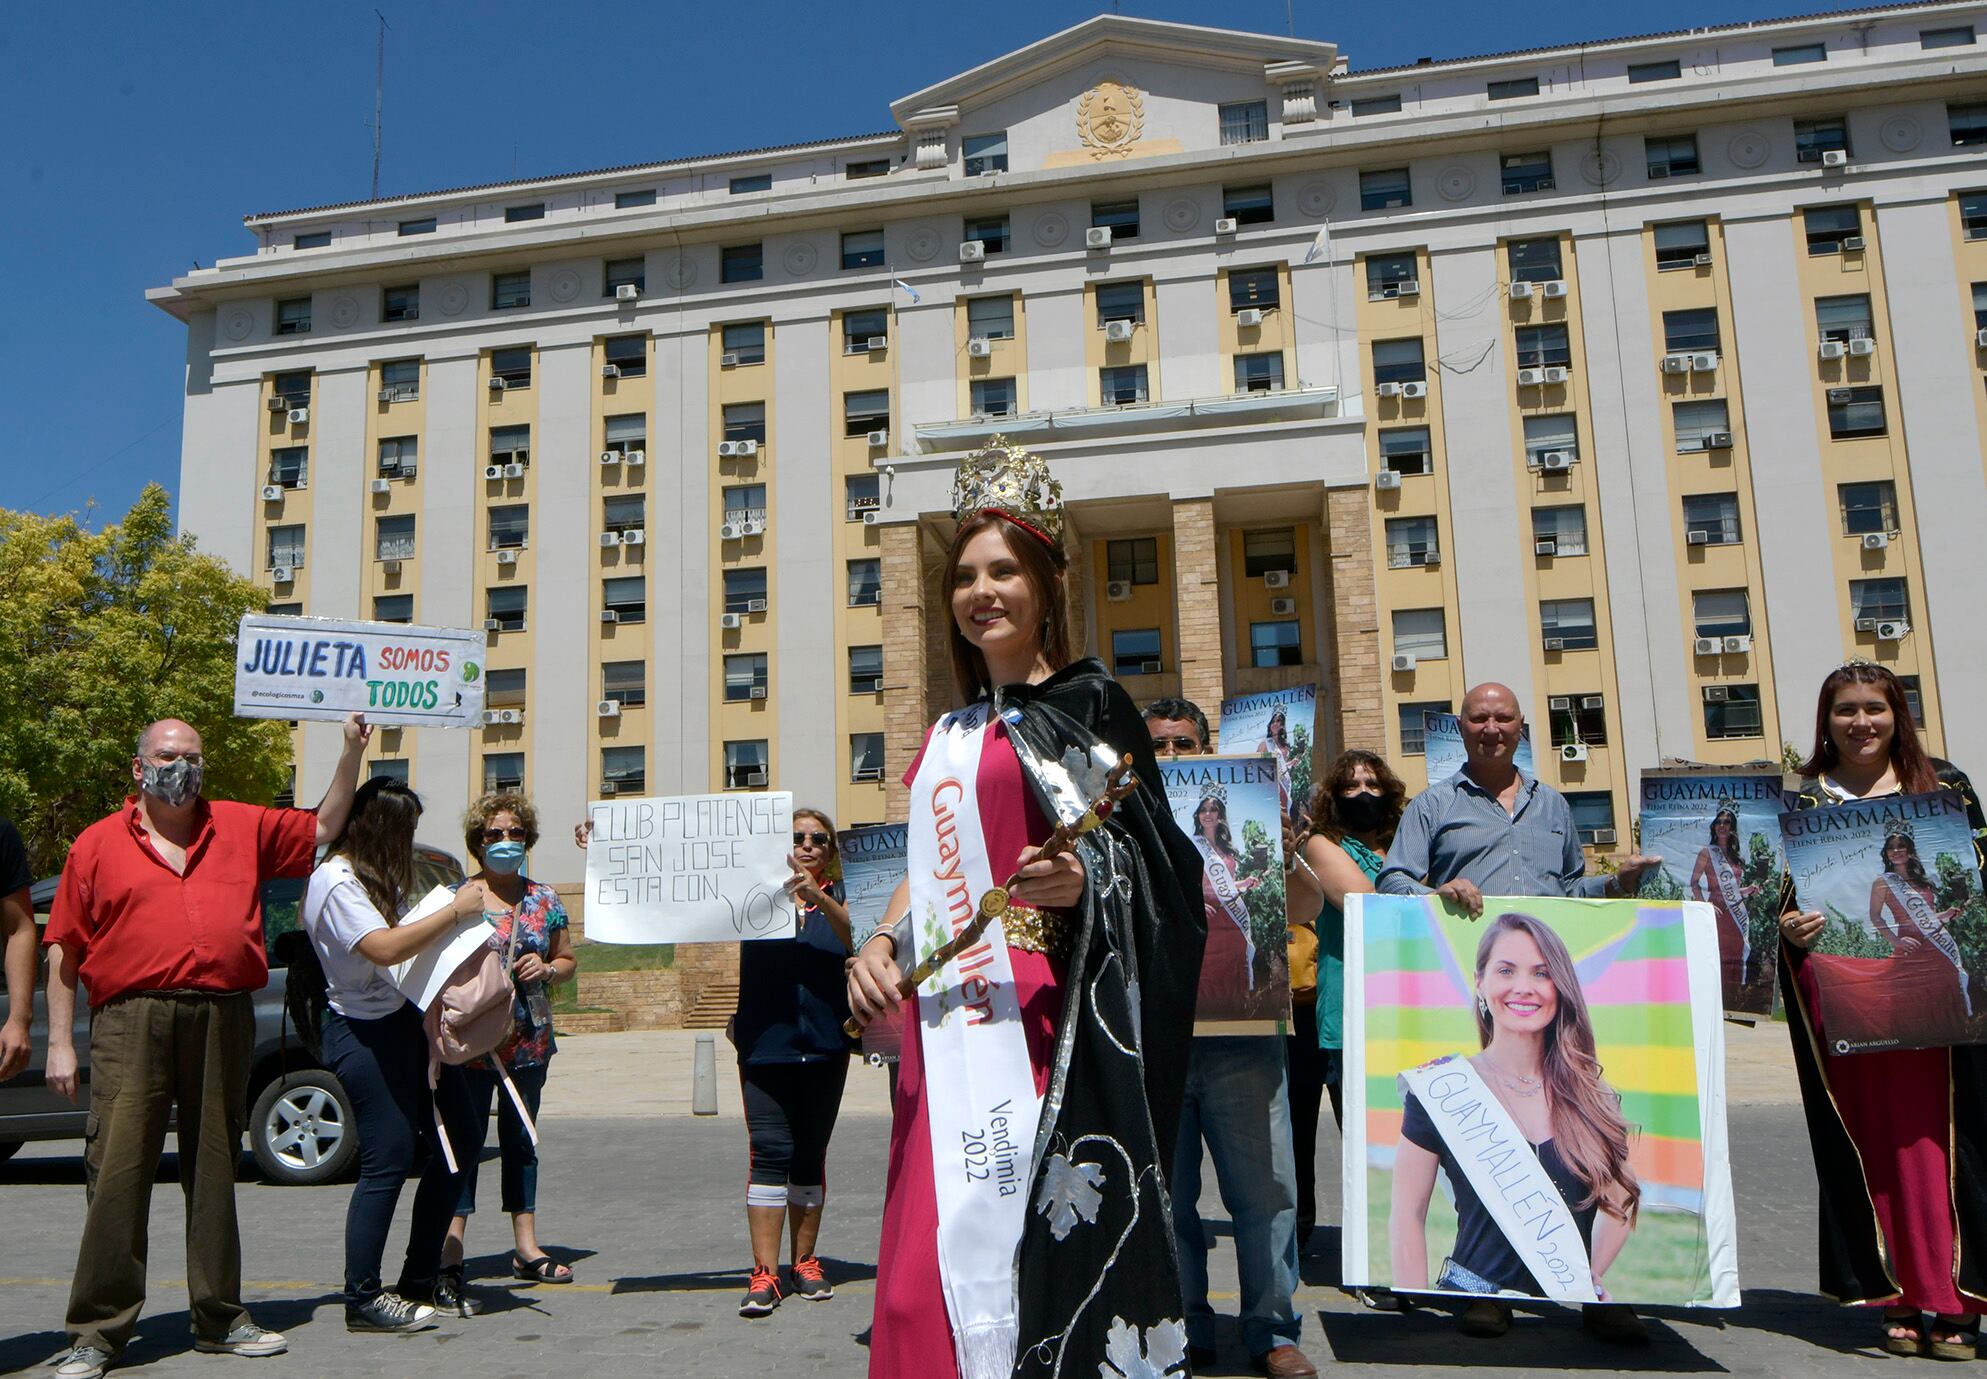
x,y
379,89
1290,16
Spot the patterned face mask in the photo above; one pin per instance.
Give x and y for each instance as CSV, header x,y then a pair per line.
x,y
173,782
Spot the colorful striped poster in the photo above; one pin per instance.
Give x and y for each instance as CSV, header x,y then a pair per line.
x,y
1595,1028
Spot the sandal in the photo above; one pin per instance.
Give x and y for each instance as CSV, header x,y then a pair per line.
x,y
1961,1339
543,1269
1904,1331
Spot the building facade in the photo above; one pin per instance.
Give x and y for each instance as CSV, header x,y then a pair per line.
x,y
1645,376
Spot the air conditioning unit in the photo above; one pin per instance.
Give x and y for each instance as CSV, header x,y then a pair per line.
x,y
385,395
634,459
1414,390
1700,261
1549,546
1117,332
1718,440
1151,667
876,342
755,605
1555,643
1521,291
1386,479
1866,624
609,615
751,526
1853,244
1676,363
1557,373
878,439
730,622
1704,363
1717,694
493,625
610,457
979,347
490,717
510,715
507,557
272,493
1590,701
1118,590
738,449
1283,608
1531,378
1555,288
1833,349
497,384
1225,225
382,485
1604,837
634,536
513,471
1862,347
278,402
1556,461
493,471
610,538
1573,751
1560,701
1404,661
1834,158
758,691
1838,397
299,415
627,292
607,708
866,773
1248,317
1893,631
972,251
1876,540
1697,536
871,518
282,574
1097,237
1388,390
728,531
1980,338
1738,645
1708,646
608,788
1276,579
1407,287
389,567
751,778
728,360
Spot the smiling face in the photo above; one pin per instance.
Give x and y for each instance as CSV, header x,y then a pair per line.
x,y
1517,985
1724,830
993,602
1208,818
1491,724
1897,854
1861,725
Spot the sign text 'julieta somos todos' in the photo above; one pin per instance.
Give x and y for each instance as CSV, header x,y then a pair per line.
x,y
690,869
325,668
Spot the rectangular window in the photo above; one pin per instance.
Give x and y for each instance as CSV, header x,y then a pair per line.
x,y
1879,600
391,768
745,421
745,503
1135,651
866,167
293,316
1250,205
983,153
1407,450
1854,412
424,226
865,583
625,683
1275,644
628,201
627,511
515,214
862,249
1557,434
401,379
625,597
1973,215
289,466
393,608
1827,227
861,493
401,303
1799,54
1711,519
1736,714
1593,815
1721,613
510,444
1414,742
1132,560
1384,190
1914,699
993,397
624,770
1967,125
1259,373
741,263
1120,302
627,431
1565,527
1120,216
620,273
316,239
1255,288
510,290
865,757
1421,633
505,605
1377,105
1412,542
513,365
1979,305
1526,172
1868,507
1680,243
1844,318
1704,425
286,545
1958,36
1120,386
510,527
745,765
990,231
859,327
1543,347
743,674
865,670
745,590
1273,549
990,318
866,411
1398,361
627,353
1568,624
1812,138
393,537
751,182
1513,88
293,388
1386,272
1639,72
503,772
1691,330
1535,260
745,342
504,688
1245,122
1580,719
1670,155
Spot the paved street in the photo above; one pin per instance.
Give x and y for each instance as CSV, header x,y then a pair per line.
x,y
645,1202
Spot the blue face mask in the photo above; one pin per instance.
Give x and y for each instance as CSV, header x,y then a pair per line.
x,y
504,858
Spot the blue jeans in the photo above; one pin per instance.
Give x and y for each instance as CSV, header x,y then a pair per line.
x,y
1238,1100
519,1175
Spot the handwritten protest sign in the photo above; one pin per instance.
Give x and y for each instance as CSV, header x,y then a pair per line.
x,y
690,869
325,668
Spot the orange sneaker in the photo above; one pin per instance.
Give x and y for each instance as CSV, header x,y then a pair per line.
x,y
809,1282
763,1295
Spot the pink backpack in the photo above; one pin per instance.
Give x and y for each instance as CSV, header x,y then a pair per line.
x,y
470,1019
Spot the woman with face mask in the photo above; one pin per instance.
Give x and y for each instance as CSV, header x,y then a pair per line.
x,y
526,919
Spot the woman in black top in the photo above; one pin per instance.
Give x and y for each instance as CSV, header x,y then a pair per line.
x,y
793,1060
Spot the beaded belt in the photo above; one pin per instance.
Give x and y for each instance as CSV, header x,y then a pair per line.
x,y
1038,931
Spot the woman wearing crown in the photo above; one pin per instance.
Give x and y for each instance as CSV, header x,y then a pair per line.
x,y
1904,909
1024,1224
1228,988
1719,877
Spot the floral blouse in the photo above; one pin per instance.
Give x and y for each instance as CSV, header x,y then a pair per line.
x,y
541,915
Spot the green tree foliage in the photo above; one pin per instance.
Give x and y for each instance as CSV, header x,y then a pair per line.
x,y
1300,769
1764,870
104,632
1265,902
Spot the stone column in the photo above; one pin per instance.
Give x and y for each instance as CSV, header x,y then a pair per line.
x,y
1355,621
905,658
1197,590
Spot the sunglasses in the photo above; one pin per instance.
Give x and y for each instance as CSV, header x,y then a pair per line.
x,y
819,840
1185,746
497,835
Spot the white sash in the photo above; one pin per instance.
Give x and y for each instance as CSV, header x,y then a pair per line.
x,y
1507,1175
1937,934
1222,882
1732,895
979,1085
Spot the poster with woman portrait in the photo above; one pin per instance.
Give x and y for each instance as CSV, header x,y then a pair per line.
x,y
1442,740
1283,723
1231,807
1718,833
873,862
1534,1101
1903,944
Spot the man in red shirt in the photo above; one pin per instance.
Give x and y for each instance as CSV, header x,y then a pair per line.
x,y
159,913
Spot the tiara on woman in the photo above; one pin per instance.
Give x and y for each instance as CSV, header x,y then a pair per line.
x,y
1016,484
1214,790
1725,806
1901,828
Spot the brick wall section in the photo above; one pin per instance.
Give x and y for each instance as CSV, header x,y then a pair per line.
x,y
1355,622
1197,591
699,964
645,1000
904,656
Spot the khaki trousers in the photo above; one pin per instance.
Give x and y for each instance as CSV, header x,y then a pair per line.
x,y
149,1052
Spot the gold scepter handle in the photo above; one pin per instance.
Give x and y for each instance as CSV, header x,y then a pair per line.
x,y
995,902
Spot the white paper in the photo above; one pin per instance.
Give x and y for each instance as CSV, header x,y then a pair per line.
x,y
421,978
325,668
690,869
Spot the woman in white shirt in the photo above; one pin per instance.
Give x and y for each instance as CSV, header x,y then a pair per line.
x,y
373,1041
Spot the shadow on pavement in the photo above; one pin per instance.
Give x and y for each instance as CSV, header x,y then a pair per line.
x,y
1541,1339
162,1335
1810,1318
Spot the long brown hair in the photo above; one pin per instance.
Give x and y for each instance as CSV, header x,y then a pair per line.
x,y
1730,847
1588,1128
1042,565
1908,757
1325,821
378,840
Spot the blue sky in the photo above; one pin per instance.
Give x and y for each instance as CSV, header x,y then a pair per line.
x,y
138,135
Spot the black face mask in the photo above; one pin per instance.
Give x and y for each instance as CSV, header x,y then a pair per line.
x,y
1362,813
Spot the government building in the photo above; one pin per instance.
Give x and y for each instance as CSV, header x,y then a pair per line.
x,y
1644,375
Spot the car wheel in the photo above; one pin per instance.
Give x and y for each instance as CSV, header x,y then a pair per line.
x,y
302,1130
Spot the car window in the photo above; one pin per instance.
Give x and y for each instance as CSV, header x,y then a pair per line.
x,y
281,900
432,868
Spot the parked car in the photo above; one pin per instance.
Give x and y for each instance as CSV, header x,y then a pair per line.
x,y
300,1125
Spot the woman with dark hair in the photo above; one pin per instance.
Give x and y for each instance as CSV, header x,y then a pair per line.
x,y
1276,741
1904,908
1901,1226
1228,967
374,1042
793,1062
1536,1061
1719,879
997,1260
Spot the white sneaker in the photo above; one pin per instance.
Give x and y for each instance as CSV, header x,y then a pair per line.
x,y
82,1362
247,1339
